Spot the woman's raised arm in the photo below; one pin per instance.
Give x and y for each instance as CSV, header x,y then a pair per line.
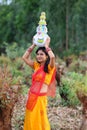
x,y
27,56
50,53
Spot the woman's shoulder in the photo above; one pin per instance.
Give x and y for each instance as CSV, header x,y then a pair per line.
x,y
51,68
36,64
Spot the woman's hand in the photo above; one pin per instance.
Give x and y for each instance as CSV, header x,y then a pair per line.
x,y
47,42
32,46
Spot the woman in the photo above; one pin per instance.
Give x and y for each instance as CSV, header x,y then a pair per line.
x,y
42,83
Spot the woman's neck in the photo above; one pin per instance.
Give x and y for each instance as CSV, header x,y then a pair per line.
x,y
42,64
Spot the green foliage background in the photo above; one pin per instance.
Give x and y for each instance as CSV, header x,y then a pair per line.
x,y
66,22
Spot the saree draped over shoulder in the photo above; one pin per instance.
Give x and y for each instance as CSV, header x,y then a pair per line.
x,y
36,106
35,88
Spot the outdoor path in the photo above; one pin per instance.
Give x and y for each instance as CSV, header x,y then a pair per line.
x,y
61,118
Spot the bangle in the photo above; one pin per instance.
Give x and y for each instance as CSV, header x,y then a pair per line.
x,y
29,49
48,49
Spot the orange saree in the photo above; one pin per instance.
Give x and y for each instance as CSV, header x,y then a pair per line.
x,y
36,107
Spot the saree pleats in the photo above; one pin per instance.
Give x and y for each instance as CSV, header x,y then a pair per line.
x,y
37,118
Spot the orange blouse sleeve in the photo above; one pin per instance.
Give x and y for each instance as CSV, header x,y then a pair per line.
x,y
36,65
49,75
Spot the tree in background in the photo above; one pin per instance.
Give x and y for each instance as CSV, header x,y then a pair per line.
x,y
66,21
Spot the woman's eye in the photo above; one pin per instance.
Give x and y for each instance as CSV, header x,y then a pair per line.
x,y
41,54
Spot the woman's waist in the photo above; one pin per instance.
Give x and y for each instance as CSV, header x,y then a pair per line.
x,y
40,94
39,91
44,88
47,82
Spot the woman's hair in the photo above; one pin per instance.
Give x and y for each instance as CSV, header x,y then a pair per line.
x,y
48,59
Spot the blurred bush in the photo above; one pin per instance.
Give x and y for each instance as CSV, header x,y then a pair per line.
x,y
71,83
78,66
4,60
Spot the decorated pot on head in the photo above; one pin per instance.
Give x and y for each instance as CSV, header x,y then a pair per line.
x,y
40,37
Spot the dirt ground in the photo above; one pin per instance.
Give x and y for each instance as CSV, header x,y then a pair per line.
x,y
61,118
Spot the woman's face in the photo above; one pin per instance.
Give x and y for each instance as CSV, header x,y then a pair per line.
x,y
41,56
